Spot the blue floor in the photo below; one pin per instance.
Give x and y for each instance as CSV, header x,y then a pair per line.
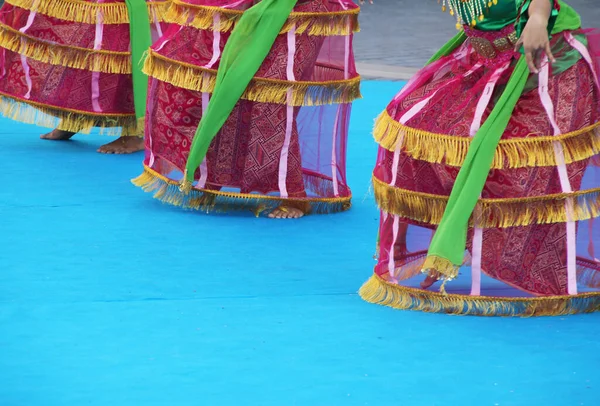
x,y
108,297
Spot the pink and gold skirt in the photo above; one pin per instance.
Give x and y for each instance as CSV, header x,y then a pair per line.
x,y
66,64
533,240
285,141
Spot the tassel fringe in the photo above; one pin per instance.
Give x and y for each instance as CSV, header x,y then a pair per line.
x,y
511,153
68,120
316,24
378,291
62,55
87,12
491,213
261,90
440,268
168,191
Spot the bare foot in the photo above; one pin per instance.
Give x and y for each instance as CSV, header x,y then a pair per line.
x,y
432,277
284,212
123,145
57,135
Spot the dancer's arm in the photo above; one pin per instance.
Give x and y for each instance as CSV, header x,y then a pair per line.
x,y
534,38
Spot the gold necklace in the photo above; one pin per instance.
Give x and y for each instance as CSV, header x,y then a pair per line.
x,y
472,10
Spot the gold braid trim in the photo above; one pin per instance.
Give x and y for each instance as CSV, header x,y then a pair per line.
x,y
76,121
86,12
378,291
511,153
315,23
63,55
168,191
502,213
191,77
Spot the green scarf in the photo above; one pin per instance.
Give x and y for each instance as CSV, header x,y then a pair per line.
x,y
447,248
141,40
245,51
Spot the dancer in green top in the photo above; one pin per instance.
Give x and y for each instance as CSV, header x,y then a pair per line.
x,y
487,166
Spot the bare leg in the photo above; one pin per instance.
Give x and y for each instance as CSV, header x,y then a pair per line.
x,y
431,278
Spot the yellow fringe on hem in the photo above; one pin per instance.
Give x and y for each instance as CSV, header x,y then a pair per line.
x,y
87,12
378,291
315,23
511,153
62,55
491,213
261,90
199,79
67,120
168,191
440,268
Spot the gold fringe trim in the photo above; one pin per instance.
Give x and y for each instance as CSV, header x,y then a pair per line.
x,y
511,153
87,12
502,213
436,267
62,55
191,77
168,191
76,121
140,126
378,291
316,24
440,268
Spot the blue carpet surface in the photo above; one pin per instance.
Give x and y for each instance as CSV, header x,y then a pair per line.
x,y
108,297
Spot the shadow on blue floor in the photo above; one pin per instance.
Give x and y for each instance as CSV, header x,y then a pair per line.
x,y
111,298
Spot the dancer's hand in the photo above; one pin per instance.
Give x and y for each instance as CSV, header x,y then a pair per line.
x,y
534,38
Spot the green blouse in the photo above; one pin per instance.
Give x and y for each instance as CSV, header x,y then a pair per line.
x,y
504,13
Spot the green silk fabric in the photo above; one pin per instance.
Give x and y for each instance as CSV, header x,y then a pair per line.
x,y
449,241
567,14
245,51
141,40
